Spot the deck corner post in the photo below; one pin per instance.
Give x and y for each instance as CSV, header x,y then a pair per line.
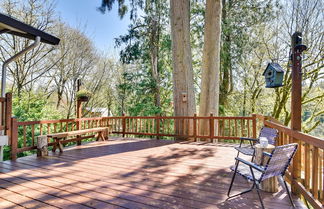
x,y
123,124
211,127
157,122
195,127
79,115
14,138
254,125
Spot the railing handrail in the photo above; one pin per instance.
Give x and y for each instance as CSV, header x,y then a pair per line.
x,y
315,141
27,123
24,123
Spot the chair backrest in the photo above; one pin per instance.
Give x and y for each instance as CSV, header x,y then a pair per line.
x,y
279,161
270,133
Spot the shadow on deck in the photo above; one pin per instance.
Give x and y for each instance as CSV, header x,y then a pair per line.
x,y
130,173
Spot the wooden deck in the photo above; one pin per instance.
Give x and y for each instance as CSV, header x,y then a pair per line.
x,y
130,173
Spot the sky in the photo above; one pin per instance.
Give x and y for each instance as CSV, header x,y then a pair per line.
x,y
100,28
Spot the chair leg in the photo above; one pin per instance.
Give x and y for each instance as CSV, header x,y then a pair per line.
x,y
232,181
246,191
289,194
253,156
257,187
260,198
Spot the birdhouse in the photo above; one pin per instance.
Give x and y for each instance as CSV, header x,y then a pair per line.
x,y
273,75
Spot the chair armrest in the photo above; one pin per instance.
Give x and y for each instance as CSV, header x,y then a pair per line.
x,y
249,139
267,154
253,165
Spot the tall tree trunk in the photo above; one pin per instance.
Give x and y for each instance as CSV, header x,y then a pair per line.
x,y
244,99
59,99
226,82
154,52
209,98
183,85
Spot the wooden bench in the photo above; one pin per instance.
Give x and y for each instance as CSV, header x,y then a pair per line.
x,y
58,136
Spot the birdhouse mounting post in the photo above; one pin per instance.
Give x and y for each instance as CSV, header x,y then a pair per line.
x,y
296,98
296,74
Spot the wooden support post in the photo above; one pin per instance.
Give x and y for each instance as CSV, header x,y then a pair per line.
x,y
296,100
211,127
2,121
14,138
254,124
8,113
195,127
123,124
157,119
79,115
42,146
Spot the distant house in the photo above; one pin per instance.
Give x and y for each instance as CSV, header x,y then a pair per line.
x,y
98,112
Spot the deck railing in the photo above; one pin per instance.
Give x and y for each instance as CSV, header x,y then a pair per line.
x,y
24,134
306,174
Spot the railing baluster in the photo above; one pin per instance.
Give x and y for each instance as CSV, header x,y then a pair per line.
x,y
307,166
223,127
320,175
235,126
48,128
41,129
24,136
315,172
242,128
229,127
248,127
136,121
33,134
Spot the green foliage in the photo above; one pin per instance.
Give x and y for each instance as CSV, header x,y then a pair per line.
x,y
33,106
136,91
108,4
239,18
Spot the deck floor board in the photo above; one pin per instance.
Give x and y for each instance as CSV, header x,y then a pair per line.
x,y
130,173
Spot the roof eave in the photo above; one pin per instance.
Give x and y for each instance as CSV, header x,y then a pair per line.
x,y
27,31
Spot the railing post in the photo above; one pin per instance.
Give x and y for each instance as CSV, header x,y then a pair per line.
x,y
296,100
14,138
79,115
123,124
211,127
157,119
195,127
254,125
8,116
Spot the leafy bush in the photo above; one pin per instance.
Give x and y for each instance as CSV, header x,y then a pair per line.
x,y
33,106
